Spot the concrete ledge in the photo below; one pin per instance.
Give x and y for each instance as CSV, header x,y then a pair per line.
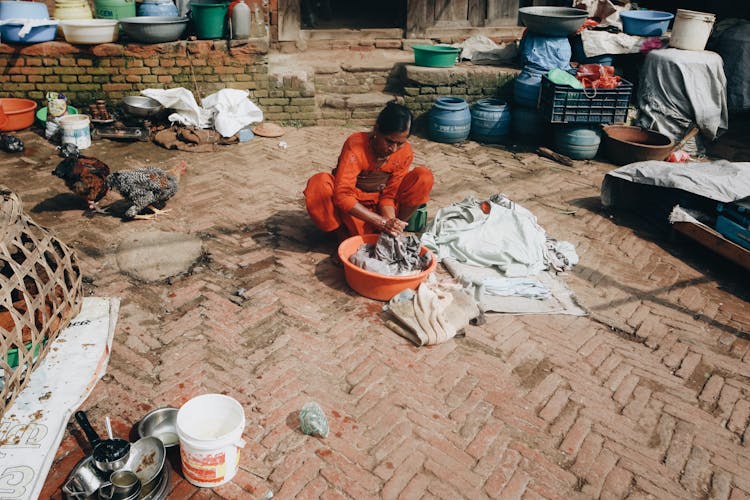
x,y
456,75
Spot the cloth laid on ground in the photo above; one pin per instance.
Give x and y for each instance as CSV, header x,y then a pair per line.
x,y
391,256
680,88
33,427
721,180
192,140
480,49
433,314
508,237
227,110
485,283
731,39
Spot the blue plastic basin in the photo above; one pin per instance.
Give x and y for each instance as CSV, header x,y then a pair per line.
x,y
23,10
645,22
9,33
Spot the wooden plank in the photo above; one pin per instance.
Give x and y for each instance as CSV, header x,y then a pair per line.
x,y
351,34
502,12
417,18
714,241
508,33
290,19
451,11
477,12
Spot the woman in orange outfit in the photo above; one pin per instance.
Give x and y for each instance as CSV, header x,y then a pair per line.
x,y
372,189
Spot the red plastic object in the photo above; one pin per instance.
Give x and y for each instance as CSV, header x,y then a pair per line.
x,y
18,113
373,285
598,76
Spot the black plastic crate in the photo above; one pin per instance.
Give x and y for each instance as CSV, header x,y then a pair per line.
x,y
564,104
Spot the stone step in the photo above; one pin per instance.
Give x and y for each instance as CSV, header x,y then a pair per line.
x,y
356,109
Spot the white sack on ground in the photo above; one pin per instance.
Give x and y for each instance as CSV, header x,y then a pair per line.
x,y
232,110
33,427
186,109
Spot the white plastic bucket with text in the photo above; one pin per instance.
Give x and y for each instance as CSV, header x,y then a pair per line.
x,y
76,131
691,29
210,430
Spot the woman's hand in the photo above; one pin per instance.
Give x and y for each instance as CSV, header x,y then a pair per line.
x,y
393,226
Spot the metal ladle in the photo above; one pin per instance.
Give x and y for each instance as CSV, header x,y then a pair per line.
x,y
108,454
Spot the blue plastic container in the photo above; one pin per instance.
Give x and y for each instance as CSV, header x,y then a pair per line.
x,y
37,34
526,88
645,22
449,120
528,125
577,142
157,8
490,121
23,10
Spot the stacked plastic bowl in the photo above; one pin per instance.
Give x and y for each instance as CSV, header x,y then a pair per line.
x,y
72,9
25,22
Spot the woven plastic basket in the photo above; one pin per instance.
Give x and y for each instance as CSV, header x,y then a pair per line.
x,y
40,292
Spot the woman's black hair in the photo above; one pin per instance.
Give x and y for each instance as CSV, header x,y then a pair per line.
x,y
394,117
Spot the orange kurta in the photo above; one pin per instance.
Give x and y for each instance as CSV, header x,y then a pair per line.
x,y
329,199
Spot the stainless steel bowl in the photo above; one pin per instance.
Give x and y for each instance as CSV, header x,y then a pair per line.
x,y
154,29
147,456
84,480
552,21
161,424
141,106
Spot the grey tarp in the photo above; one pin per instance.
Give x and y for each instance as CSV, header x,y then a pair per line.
x,y
682,87
720,180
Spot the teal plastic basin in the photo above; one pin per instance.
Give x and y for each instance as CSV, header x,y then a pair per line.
x,y
435,56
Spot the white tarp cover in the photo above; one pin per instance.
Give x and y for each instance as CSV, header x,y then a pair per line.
x,y
32,429
682,87
721,180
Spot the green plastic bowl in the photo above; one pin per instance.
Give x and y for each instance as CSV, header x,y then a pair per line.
x,y
13,353
435,56
41,115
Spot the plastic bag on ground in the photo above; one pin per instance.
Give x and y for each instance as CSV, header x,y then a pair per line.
x,y
312,420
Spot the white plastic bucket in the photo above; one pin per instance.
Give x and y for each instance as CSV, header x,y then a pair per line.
x,y
691,29
210,430
75,130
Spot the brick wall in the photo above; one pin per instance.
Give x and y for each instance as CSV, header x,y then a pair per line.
x,y
423,85
111,71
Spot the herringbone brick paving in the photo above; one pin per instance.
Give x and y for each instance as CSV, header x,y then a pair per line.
x,y
647,397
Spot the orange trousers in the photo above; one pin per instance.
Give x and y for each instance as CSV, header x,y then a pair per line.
x,y
414,191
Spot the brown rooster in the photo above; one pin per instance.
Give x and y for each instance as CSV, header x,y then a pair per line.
x,y
85,176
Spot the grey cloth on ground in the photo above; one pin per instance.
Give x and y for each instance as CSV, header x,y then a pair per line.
x,y
392,256
731,39
519,287
721,180
433,314
508,237
561,300
679,88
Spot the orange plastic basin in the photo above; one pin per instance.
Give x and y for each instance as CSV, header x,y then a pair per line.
x,y
16,114
373,285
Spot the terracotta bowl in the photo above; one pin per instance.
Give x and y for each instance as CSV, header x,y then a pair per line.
x,y
624,144
373,285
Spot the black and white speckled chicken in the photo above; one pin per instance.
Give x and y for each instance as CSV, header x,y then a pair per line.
x,y
85,176
147,187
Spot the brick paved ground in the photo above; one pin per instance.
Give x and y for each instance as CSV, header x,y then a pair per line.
x,y
649,396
